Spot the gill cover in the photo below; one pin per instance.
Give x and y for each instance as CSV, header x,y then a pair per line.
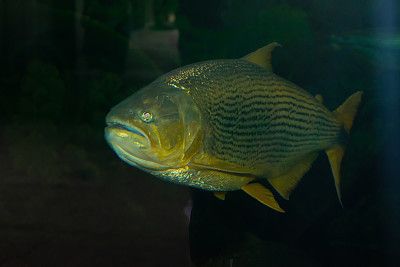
x,y
177,124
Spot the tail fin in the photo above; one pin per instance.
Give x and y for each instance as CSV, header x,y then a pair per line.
x,y
345,114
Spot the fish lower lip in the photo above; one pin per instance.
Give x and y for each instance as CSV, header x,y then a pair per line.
x,y
139,161
127,128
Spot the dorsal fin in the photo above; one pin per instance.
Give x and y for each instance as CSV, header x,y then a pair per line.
x,y
319,98
262,56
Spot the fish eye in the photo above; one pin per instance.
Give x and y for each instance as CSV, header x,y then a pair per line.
x,y
146,116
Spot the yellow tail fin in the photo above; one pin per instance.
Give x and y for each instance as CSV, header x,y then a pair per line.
x,y
345,114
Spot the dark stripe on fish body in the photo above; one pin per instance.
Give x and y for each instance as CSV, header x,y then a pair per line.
x,y
261,115
287,89
281,134
252,124
264,110
253,116
253,121
287,141
276,91
284,100
284,142
271,150
281,130
266,102
269,156
298,129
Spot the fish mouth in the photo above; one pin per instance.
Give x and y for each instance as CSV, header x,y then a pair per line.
x,y
116,124
131,144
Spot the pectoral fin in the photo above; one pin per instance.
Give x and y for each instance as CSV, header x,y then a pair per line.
x,y
262,194
220,195
286,183
206,161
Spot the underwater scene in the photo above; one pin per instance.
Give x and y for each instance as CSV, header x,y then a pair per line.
x,y
199,133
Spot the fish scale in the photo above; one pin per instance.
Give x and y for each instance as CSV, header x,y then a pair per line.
x,y
251,111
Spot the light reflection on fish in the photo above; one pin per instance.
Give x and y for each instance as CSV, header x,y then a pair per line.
x,y
222,125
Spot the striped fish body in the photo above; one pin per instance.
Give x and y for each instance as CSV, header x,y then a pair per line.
x,y
254,119
220,125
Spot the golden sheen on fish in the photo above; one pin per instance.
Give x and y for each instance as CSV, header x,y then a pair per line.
x,y
223,125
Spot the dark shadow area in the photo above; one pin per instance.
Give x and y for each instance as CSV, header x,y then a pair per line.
x,y
65,198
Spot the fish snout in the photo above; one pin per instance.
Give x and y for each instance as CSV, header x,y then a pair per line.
x,y
124,134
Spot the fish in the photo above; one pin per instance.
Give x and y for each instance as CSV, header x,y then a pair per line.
x,y
228,124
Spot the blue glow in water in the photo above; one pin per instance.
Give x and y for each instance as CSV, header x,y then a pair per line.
x,y
388,86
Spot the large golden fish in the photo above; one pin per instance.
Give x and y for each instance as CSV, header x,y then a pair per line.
x,y
222,125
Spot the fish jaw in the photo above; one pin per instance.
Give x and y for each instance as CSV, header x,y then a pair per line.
x,y
131,144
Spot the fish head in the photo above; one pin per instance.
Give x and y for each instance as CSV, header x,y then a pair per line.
x,y
155,129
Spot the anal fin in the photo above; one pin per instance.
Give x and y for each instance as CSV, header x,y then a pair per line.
x,y
220,195
286,183
335,155
262,194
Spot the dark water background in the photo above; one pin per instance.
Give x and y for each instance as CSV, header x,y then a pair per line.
x,y
67,200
